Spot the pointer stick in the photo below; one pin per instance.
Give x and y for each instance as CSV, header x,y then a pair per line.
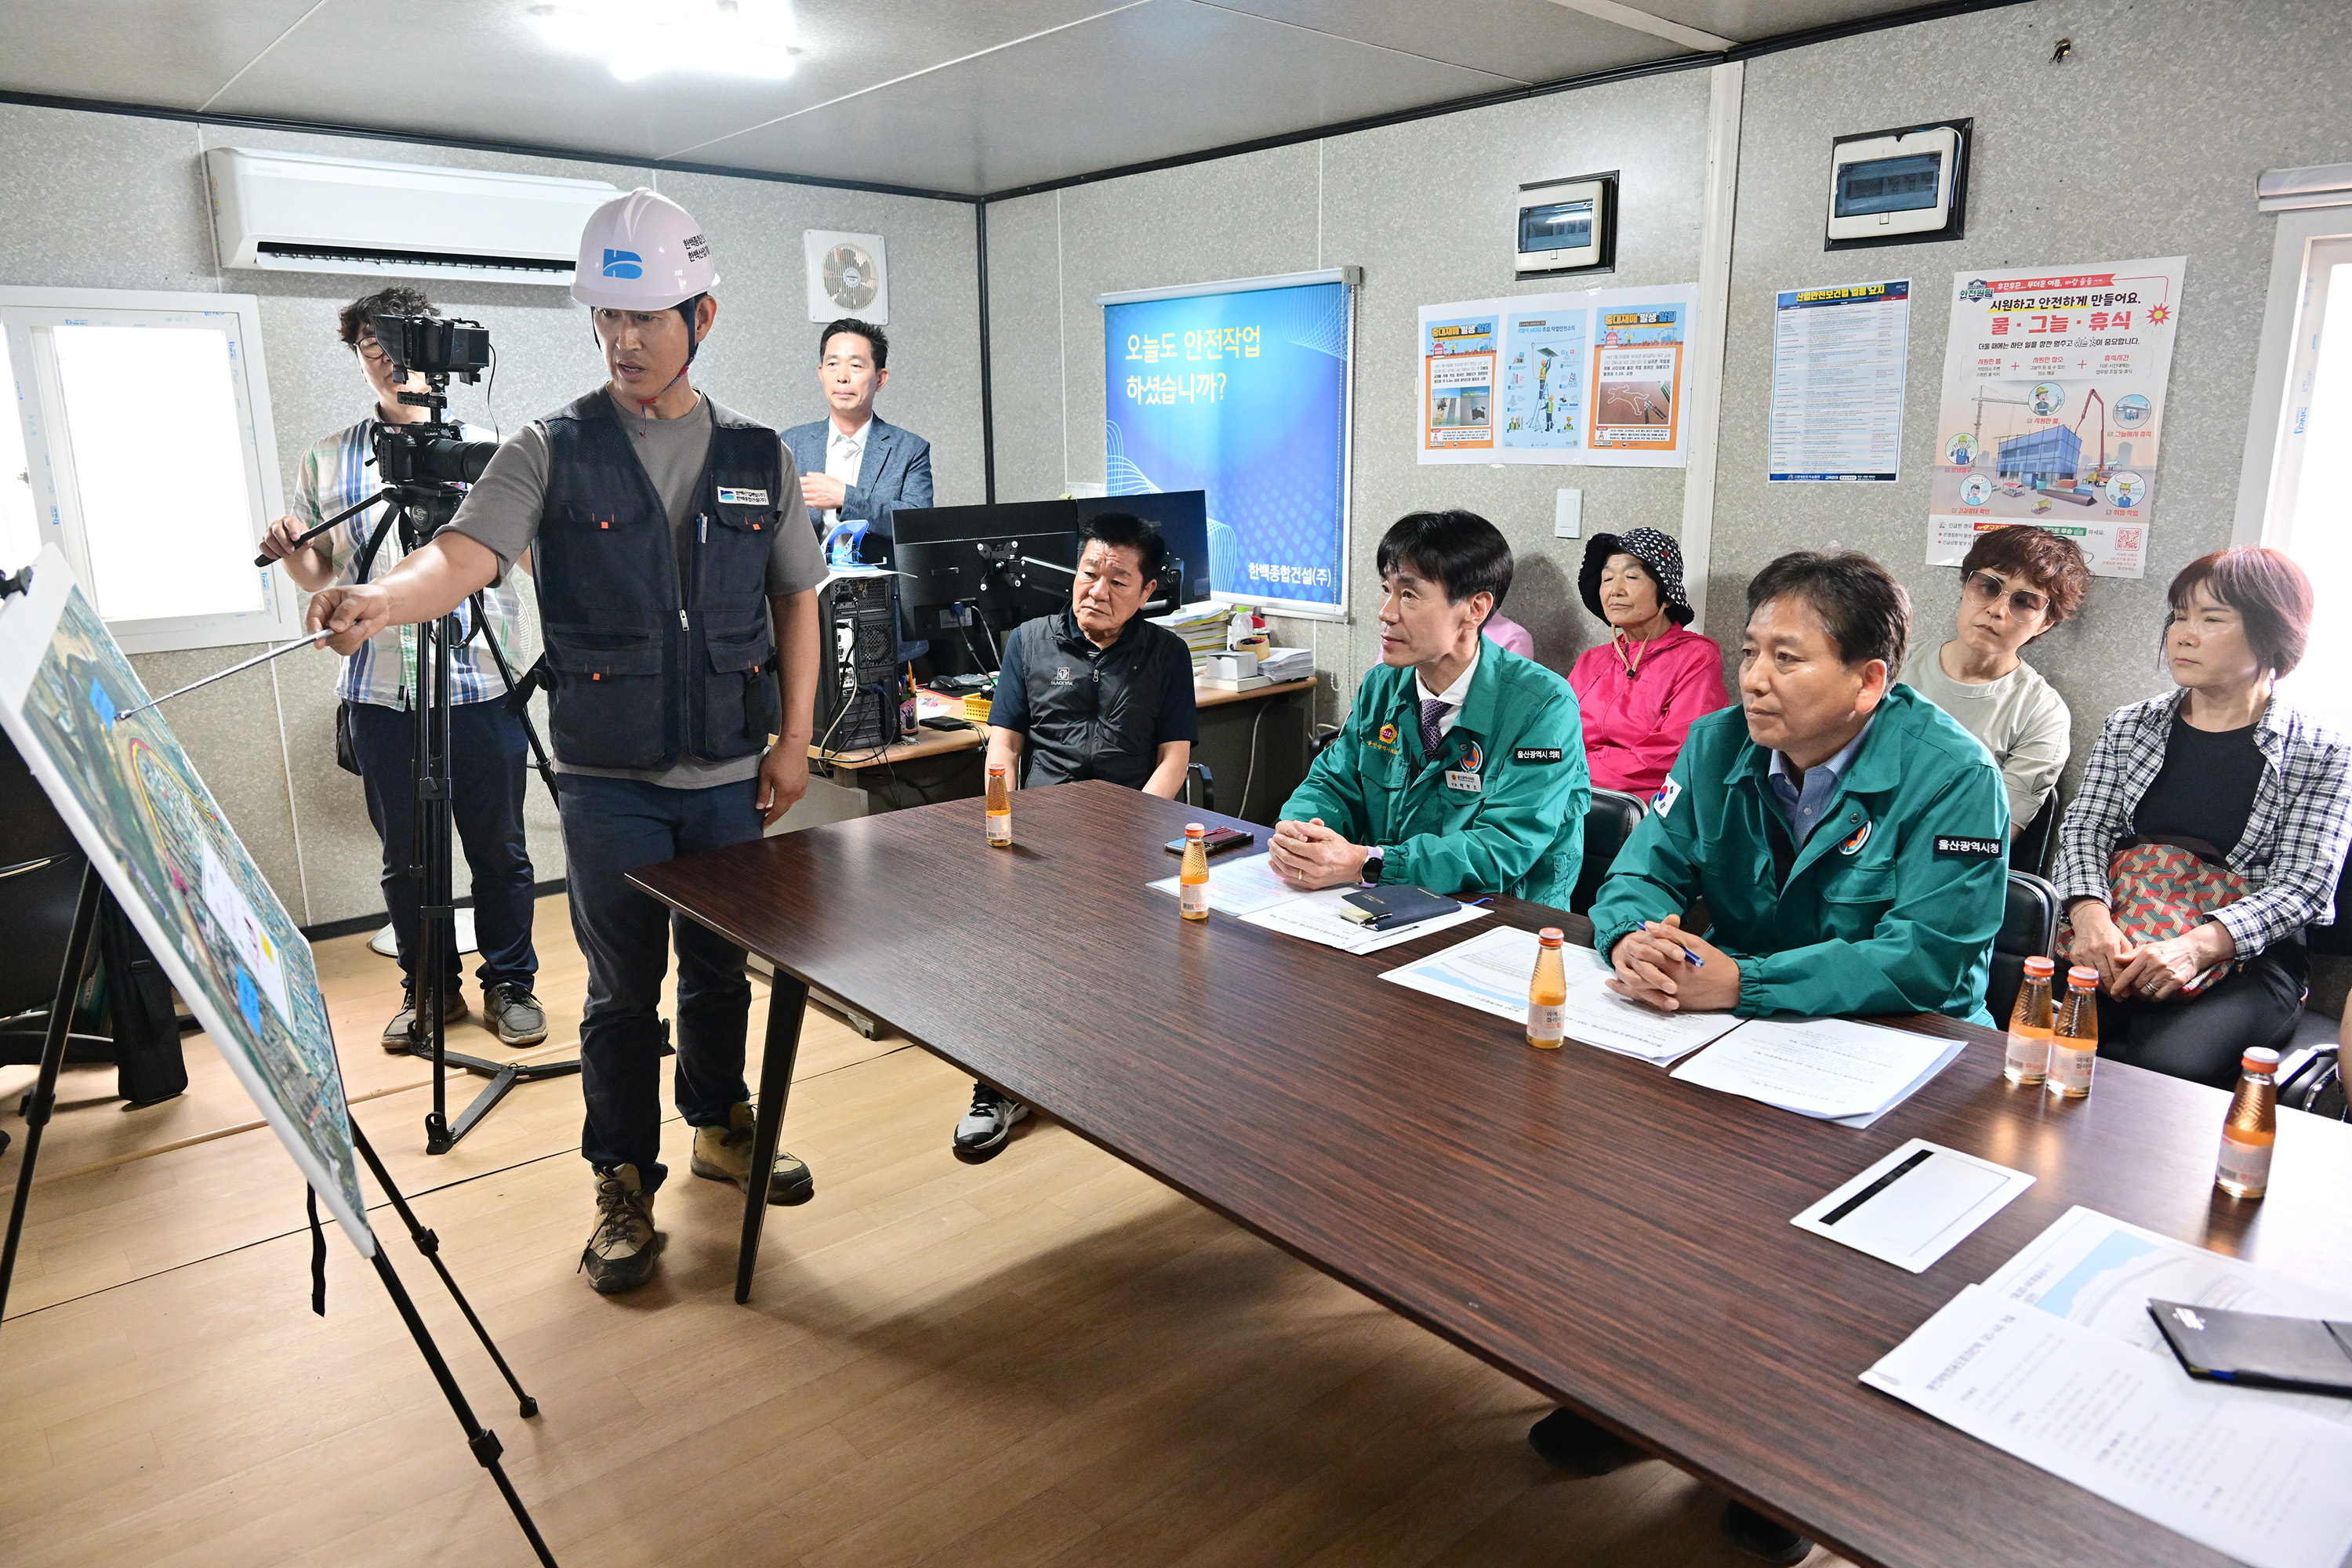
x,y
311,641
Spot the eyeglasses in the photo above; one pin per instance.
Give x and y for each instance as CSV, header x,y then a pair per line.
x,y
368,348
1986,588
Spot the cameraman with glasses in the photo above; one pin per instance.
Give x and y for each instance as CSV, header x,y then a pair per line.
x,y
377,732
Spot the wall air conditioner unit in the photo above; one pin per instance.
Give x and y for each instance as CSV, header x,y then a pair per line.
x,y
296,212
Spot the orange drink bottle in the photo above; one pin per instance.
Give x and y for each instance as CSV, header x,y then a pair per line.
x,y
1000,808
1548,993
2250,1128
2029,1026
1192,882
2074,1036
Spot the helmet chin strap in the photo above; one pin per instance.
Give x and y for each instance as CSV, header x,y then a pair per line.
x,y
686,309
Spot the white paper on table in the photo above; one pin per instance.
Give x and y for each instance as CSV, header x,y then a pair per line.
x,y
1317,917
1491,970
1944,1058
1823,1068
1238,887
1915,1216
2261,1484
2092,1269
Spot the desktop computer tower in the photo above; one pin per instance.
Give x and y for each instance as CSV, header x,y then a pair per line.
x,y
858,689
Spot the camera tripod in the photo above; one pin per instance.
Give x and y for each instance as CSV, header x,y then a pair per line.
x,y
422,511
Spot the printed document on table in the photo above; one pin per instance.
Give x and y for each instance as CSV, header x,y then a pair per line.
x,y
2097,1271
1825,1067
1491,970
2260,1484
1239,887
1317,917
1916,1204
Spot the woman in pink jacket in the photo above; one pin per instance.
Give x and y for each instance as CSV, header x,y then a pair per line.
x,y
1641,689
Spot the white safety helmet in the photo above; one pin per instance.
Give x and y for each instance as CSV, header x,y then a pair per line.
x,y
642,252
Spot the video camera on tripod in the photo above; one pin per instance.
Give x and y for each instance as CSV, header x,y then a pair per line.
x,y
433,451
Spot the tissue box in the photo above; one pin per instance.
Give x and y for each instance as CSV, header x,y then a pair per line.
x,y
1230,667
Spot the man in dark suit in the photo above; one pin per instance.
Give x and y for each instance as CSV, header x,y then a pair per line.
x,y
855,466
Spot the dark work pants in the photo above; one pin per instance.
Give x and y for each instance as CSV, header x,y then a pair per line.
x,y
611,827
2255,1005
485,787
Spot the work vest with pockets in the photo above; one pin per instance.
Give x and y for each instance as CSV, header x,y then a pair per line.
x,y
645,669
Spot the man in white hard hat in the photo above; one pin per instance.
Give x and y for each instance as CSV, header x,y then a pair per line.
x,y
666,532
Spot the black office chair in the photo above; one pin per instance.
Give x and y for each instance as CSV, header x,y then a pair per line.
x,y
1322,742
1608,823
2028,925
1200,787
2030,850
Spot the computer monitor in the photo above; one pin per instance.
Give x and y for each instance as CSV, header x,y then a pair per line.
x,y
1183,520
999,561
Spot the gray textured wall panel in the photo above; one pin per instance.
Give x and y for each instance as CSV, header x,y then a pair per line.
x,y
2145,142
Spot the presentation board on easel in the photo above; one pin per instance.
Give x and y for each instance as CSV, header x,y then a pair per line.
x,y
133,801
1243,390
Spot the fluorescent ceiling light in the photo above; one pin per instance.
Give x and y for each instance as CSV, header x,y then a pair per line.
x,y
642,37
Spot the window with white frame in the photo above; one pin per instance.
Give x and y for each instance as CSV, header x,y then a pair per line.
x,y
141,446
2295,489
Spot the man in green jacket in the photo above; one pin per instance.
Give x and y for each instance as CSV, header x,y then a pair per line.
x,y
1851,841
1461,768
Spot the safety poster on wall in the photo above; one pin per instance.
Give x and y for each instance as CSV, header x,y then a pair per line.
x,y
1593,377
2053,402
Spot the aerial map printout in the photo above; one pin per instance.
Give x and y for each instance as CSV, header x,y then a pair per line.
x,y
125,787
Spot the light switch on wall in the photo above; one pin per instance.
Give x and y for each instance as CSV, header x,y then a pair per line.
x,y
1568,515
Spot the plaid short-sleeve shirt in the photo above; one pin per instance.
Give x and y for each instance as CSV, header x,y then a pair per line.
x,y
2293,847
335,476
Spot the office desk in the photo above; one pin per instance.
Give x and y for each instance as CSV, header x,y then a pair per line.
x,y
1613,1238
1237,728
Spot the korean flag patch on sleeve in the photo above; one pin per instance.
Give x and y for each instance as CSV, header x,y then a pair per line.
x,y
1663,803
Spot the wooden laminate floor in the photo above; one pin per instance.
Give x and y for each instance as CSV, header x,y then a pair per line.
x,y
1048,1359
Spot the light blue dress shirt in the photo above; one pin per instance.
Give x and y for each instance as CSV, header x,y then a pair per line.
x,y
1804,808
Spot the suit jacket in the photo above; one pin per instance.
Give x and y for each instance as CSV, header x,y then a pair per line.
x,y
896,472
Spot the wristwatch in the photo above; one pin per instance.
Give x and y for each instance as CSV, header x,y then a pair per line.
x,y
1370,875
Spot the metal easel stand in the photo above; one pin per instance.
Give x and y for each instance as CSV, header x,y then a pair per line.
x,y
80,947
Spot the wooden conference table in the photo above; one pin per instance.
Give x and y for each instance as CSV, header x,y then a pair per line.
x,y
1611,1238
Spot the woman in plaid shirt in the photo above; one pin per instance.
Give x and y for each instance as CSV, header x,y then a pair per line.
x,y
2225,767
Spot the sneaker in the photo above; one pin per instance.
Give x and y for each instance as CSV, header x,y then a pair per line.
x,y
513,1014
724,1154
400,1035
620,1255
1767,1540
1580,1447
989,1122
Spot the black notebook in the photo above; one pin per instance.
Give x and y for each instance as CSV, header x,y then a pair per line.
x,y
2308,1355
1386,908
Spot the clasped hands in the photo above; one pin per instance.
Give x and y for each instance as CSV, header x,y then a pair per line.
x,y
2155,969
1307,855
1655,967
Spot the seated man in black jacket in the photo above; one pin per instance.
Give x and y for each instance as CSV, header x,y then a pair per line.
x,y
1095,691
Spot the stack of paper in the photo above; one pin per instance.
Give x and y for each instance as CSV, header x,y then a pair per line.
x,y
1831,1068
1491,972
1279,664
1203,627
1249,890
2260,1483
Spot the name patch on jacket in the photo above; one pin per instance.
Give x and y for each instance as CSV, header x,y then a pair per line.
x,y
742,497
1958,848
1535,753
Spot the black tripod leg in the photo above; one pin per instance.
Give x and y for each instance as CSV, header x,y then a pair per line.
x,y
79,946
430,1244
787,1002
480,1439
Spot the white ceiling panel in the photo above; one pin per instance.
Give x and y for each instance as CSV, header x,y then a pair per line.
x,y
947,95
1528,40
481,69
174,54
1144,84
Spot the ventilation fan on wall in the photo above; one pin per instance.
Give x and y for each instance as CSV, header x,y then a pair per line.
x,y
847,276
